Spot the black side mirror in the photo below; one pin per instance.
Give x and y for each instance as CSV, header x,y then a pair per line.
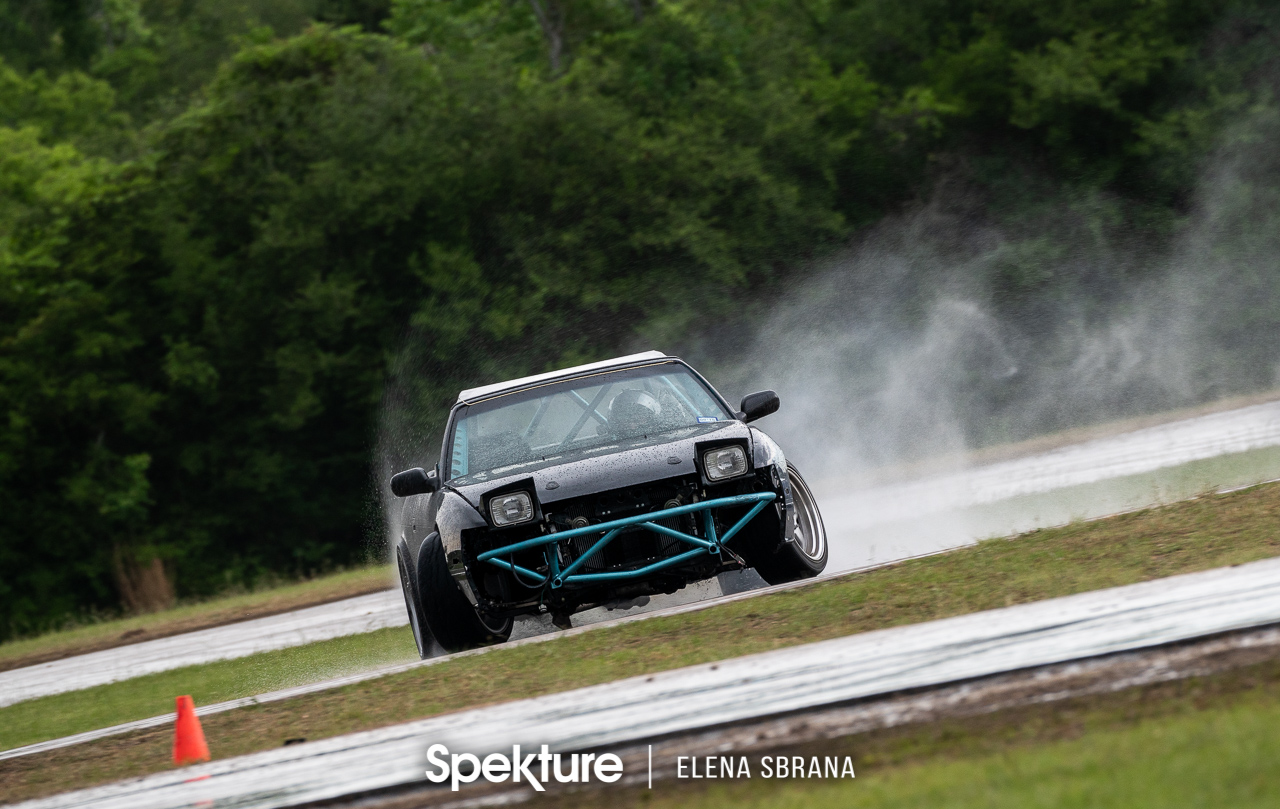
x,y
414,481
758,405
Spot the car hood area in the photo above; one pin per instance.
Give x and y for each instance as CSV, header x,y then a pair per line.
x,y
612,466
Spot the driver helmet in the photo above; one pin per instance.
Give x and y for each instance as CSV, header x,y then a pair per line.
x,y
634,411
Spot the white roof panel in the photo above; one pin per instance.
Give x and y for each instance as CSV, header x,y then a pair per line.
x,y
489,390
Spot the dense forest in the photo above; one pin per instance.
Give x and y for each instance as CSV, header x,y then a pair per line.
x,y
230,230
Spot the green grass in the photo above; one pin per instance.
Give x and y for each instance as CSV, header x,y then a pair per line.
x,y
76,711
1203,742
1196,535
1225,758
188,617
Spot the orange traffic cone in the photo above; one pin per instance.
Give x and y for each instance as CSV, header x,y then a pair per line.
x,y
188,736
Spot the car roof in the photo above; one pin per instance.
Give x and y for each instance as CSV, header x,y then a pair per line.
x,y
486,391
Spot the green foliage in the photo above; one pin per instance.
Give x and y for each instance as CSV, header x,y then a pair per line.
x,y
73,482
70,107
231,231
50,34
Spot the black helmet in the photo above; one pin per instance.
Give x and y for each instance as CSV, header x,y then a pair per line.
x,y
634,411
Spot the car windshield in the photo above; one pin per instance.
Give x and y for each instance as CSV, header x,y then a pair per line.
x,y
580,414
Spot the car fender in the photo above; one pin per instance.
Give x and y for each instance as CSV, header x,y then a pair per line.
x,y
417,519
766,452
453,516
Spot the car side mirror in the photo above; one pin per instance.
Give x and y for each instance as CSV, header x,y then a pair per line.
x,y
758,405
414,481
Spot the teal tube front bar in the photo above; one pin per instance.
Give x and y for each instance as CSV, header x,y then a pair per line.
x,y
607,531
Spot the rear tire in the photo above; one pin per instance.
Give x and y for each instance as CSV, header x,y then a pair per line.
x,y
455,624
805,556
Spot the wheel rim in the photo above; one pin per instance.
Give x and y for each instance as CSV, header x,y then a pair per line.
x,y
808,532
502,625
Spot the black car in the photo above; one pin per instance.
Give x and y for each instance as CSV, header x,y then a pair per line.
x,y
596,485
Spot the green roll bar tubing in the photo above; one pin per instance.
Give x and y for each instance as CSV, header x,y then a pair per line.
x,y
559,578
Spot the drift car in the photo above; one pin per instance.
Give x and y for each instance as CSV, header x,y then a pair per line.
x,y
598,485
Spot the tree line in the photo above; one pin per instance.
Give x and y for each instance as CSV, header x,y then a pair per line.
x,y
227,228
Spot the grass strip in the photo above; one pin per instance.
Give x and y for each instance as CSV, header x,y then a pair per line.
x,y
1206,741
1213,531
190,617
59,715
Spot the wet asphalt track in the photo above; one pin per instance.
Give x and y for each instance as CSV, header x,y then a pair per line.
x,y
348,617
1094,478
909,518
1131,453
827,673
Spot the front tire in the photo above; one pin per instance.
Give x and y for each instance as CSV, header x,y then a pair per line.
x,y
455,624
421,634
805,555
